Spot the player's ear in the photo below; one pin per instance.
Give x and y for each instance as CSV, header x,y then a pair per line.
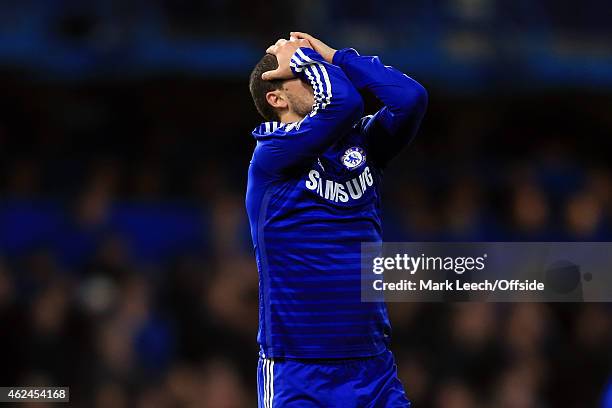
x,y
276,99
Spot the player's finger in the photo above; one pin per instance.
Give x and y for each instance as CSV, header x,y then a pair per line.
x,y
271,75
301,35
272,49
281,42
304,43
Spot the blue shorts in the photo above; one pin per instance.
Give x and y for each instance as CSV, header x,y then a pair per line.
x,y
369,382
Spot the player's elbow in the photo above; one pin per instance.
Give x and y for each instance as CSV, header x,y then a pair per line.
x,y
414,99
421,97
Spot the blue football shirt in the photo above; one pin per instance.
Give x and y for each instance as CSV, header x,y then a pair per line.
x,y
313,196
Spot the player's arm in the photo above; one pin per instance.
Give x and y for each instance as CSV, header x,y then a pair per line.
x,y
405,100
337,106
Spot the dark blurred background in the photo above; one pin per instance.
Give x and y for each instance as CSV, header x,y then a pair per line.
x,y
126,267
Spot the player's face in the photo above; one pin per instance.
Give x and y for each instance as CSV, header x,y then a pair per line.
x,y
300,96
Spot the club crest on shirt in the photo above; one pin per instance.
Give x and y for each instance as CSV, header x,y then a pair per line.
x,y
353,157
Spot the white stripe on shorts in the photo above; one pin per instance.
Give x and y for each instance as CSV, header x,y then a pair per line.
x,y
265,383
271,383
268,382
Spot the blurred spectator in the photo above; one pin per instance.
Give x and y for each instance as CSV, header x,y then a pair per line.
x,y
530,213
584,216
455,394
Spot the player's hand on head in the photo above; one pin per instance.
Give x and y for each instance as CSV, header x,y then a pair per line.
x,y
319,46
284,50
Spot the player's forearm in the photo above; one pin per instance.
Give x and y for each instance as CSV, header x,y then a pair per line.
x,y
333,90
404,97
338,104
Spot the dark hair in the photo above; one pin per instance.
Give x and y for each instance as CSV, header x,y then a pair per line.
x,y
259,88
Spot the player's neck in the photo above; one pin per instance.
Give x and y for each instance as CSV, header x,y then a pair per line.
x,y
289,117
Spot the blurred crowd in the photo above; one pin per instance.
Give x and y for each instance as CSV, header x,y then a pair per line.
x,y
462,44
107,18
126,265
